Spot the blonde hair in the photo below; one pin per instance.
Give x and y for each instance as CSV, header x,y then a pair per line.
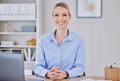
x,y
64,5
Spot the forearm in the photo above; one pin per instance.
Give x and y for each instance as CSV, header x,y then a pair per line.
x,y
40,71
76,71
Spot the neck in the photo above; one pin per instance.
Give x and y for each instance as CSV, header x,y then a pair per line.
x,y
60,35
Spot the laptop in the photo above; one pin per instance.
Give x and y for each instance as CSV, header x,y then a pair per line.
x,y
12,68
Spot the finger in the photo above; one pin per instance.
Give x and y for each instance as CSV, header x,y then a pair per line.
x,y
52,69
51,74
57,72
52,77
59,77
55,68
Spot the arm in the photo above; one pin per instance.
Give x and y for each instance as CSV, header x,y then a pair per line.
x,y
79,65
40,63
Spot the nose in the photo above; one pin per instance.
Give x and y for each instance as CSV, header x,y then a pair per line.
x,y
60,17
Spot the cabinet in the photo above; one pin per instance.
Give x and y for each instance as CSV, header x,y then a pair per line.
x,y
20,21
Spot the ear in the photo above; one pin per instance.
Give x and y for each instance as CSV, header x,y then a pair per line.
x,y
52,15
70,16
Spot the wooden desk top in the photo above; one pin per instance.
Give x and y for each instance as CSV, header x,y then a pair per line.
x,y
71,79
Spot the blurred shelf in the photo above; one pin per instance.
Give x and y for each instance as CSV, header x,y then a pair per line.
x,y
17,33
17,46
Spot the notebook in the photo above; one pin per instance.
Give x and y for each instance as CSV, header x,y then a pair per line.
x,y
12,68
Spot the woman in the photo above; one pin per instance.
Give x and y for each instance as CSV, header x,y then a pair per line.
x,y
60,54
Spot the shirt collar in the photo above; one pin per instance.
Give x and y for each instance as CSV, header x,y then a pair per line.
x,y
69,37
52,38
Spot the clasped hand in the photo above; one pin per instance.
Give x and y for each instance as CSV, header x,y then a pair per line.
x,y
56,74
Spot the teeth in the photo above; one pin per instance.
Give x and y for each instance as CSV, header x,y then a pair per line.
x,y
60,23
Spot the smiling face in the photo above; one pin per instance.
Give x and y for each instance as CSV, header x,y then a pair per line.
x,y
61,17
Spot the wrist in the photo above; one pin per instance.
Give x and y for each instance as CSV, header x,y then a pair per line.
x,y
46,75
67,75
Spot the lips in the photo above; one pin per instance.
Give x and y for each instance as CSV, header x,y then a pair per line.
x,y
60,23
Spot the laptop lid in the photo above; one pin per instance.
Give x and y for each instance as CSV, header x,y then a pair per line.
x,y
11,67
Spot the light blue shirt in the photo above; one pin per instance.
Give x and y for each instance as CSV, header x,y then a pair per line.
x,y
69,55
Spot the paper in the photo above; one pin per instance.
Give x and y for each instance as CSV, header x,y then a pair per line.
x,y
89,79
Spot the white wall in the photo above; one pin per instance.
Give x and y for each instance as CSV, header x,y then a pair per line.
x,y
101,34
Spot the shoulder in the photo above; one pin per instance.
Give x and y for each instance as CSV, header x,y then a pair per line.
x,y
45,37
77,39
76,36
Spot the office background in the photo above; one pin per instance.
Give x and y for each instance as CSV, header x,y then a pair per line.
x,y
102,35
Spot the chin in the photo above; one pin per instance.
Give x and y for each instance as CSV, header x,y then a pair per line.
x,y
62,27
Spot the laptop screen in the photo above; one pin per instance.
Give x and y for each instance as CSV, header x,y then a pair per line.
x,y
11,67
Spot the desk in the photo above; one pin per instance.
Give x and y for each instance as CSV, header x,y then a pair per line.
x,y
72,79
